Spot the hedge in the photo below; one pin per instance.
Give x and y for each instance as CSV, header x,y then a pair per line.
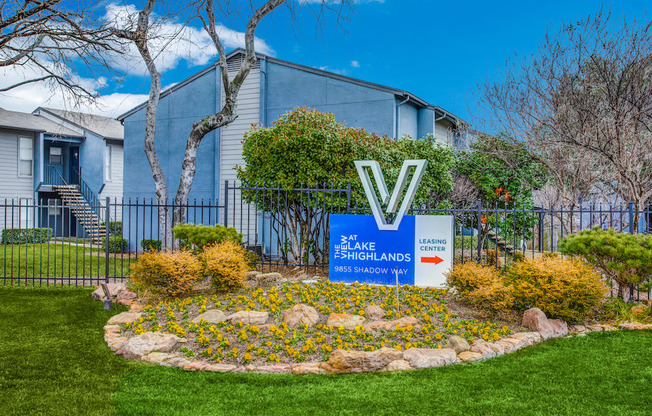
x,y
26,235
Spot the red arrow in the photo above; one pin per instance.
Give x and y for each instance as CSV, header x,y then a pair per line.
x,y
435,260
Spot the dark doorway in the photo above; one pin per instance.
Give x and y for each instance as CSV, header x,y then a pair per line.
x,y
74,166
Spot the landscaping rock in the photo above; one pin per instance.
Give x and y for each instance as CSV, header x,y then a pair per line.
x,y
301,314
156,357
498,348
114,288
427,357
269,277
458,344
176,361
391,325
342,361
559,328
346,320
253,274
398,365
578,329
511,344
595,328
212,316
631,325
535,320
528,338
248,317
307,368
124,318
609,328
469,356
374,312
220,368
274,369
482,347
148,342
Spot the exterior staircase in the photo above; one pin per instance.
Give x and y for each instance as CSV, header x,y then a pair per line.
x,y
84,213
500,242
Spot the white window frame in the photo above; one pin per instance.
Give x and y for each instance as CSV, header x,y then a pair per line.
x,y
108,163
54,154
31,159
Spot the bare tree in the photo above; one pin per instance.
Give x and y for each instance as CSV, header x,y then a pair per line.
x,y
141,34
52,39
584,101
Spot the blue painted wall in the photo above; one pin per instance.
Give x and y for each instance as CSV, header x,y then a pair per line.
x,y
425,122
91,160
356,105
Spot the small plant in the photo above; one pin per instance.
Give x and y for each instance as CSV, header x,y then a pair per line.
x,y
169,274
566,289
26,235
492,257
200,236
117,244
227,265
150,245
623,258
115,227
617,311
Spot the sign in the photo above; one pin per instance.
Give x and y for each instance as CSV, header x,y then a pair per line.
x,y
421,248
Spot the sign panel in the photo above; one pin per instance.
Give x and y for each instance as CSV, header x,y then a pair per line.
x,y
421,249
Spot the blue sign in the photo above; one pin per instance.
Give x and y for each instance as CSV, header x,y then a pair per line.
x,y
360,252
421,249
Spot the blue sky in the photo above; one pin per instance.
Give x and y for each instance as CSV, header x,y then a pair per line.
x,y
437,50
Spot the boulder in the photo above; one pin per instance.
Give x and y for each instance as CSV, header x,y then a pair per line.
x,y
124,318
535,320
559,328
511,344
118,292
470,356
301,314
342,361
631,325
148,342
220,368
248,317
398,365
156,357
212,316
457,344
594,328
374,312
391,325
528,338
482,347
578,329
274,369
307,368
428,357
346,320
498,348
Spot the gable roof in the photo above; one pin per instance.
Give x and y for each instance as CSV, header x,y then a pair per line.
x,y
34,123
106,127
239,51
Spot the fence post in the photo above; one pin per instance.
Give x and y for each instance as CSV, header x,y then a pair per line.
x,y
479,230
631,218
107,218
348,197
226,203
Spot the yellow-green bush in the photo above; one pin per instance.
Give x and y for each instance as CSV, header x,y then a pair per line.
x,y
470,276
168,274
565,289
227,265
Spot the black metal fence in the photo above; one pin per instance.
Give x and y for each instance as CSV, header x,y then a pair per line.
x,y
44,241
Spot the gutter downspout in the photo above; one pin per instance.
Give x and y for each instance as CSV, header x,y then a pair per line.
x,y
263,91
397,124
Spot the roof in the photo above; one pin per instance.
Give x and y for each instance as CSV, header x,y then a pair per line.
x,y
106,127
239,51
30,122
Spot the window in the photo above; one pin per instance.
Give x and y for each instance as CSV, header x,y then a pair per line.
x,y
54,208
107,163
25,156
55,156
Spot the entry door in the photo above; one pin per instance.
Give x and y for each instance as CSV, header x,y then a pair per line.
x,y
74,165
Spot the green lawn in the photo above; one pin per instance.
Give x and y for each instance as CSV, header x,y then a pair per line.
x,y
53,361
59,259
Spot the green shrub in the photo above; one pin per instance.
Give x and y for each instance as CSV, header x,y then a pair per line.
x,y
623,258
565,289
150,245
117,244
617,311
115,227
26,235
227,265
200,236
168,274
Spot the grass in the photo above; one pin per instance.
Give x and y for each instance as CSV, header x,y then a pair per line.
x,y
58,260
53,361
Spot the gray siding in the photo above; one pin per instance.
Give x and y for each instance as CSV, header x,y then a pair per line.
x,y
13,187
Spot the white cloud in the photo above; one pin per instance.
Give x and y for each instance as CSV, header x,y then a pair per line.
x,y
173,42
355,64
334,70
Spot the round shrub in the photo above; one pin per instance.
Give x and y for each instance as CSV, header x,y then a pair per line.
x,y
117,244
150,245
200,236
227,265
165,273
565,289
470,276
